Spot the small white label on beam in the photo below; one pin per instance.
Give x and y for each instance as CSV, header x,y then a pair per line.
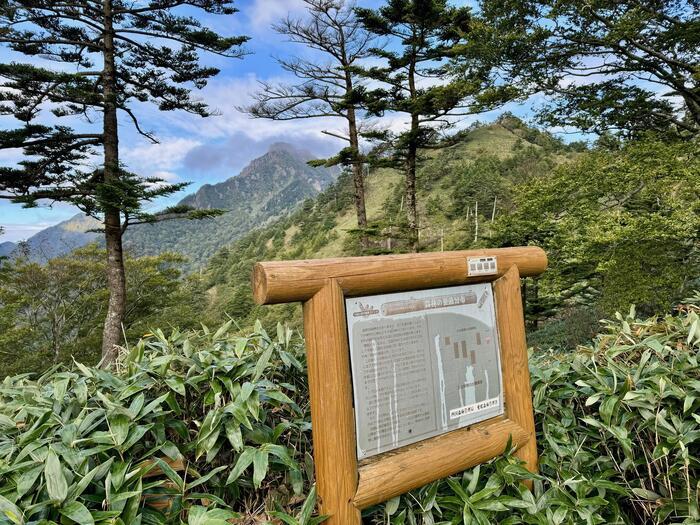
x,y
481,266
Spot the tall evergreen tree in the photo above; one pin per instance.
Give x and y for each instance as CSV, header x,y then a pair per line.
x,y
621,66
419,77
325,89
112,55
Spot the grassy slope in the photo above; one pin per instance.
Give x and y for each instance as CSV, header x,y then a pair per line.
x,y
494,141
323,227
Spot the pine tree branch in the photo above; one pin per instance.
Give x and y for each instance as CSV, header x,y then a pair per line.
x,y
336,135
50,41
92,139
135,121
173,38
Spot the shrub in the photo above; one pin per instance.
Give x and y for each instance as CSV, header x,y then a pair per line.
x,y
575,326
618,437
211,428
188,422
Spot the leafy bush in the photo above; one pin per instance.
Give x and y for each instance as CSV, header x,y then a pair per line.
x,y
207,427
619,227
155,441
618,436
576,326
51,313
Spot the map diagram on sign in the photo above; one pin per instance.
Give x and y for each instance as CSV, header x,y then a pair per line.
x,y
423,363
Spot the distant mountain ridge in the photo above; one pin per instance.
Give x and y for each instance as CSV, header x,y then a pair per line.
x,y
6,248
268,187
61,238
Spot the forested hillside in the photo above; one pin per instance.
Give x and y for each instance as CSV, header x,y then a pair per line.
x,y
507,185
464,190
266,188
503,184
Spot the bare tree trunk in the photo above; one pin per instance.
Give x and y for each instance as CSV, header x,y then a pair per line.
x,y
353,135
411,208
116,278
411,159
358,178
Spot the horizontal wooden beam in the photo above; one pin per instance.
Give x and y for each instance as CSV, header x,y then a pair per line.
x,y
287,281
416,465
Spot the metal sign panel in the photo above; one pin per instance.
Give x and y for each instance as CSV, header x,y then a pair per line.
x,y
423,363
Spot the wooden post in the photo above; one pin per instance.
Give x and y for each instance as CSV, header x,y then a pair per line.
x,y
330,390
516,376
345,486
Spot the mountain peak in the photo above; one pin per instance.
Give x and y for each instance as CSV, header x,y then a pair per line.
x,y
286,147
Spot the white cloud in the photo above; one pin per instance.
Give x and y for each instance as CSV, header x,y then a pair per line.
x,y
226,95
263,13
14,232
165,156
167,176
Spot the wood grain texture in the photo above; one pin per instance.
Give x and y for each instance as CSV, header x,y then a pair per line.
x,y
516,374
332,417
287,281
399,471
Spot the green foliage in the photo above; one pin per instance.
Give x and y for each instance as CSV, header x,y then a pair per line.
x,y
205,426
155,71
619,227
298,235
415,74
188,426
618,437
53,312
609,66
103,70
571,327
449,181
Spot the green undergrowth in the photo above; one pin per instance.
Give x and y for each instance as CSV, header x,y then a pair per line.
x,y
211,428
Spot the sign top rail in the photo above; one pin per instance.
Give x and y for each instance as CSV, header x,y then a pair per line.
x,y
287,281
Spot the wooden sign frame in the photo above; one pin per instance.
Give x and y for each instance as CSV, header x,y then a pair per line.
x,y
346,486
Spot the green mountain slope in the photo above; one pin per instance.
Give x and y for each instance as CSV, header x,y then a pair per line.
x,y
60,238
267,188
461,188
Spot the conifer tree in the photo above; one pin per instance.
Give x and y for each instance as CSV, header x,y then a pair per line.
x,y
620,66
110,56
328,87
420,78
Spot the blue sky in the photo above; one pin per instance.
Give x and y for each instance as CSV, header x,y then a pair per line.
x,y
209,150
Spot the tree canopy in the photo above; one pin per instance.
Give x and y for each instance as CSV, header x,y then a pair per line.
x,y
326,87
624,66
620,227
428,71
110,55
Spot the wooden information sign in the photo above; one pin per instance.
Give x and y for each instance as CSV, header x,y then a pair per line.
x,y
417,366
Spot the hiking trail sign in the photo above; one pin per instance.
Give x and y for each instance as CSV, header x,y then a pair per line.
x,y
417,366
